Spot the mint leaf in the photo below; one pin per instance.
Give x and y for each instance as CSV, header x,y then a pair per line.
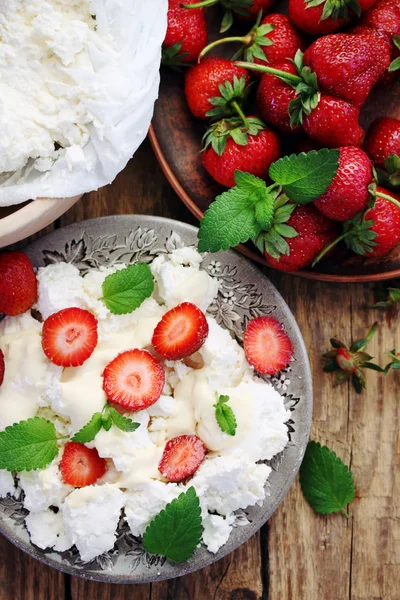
x,y
28,445
225,416
106,418
125,290
89,431
304,177
326,481
231,219
122,422
176,531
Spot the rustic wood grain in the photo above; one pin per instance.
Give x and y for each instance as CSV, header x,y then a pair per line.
x,y
299,556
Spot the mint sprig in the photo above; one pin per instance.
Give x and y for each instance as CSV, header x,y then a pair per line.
x,y
104,420
176,531
125,290
327,483
28,445
225,416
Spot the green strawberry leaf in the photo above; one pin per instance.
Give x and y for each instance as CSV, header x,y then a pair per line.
x,y
176,531
89,431
28,445
326,481
125,290
122,422
231,218
225,416
304,177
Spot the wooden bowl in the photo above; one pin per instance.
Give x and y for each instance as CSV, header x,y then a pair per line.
x,y
21,221
176,139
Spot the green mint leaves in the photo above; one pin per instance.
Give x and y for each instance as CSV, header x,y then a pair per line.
x,y
225,416
28,445
125,290
249,208
105,420
326,481
176,531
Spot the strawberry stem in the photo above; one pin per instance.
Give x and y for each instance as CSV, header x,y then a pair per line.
x,y
241,114
202,4
287,77
329,247
247,40
387,197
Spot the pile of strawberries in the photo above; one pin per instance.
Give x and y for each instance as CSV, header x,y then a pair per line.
x,y
309,89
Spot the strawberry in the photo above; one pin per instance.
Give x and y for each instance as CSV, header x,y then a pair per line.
x,y
182,457
81,466
245,10
230,146
334,123
348,65
2,367
309,16
18,285
181,332
134,379
382,144
267,346
214,86
186,34
348,193
385,216
311,233
69,337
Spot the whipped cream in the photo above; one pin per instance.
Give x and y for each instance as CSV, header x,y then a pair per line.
x,y
231,476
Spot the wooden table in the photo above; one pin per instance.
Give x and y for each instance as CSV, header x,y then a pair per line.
x,y
298,555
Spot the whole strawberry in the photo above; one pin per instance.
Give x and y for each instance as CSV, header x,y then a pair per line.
x,y
348,193
382,144
384,19
312,233
321,18
186,34
18,285
333,123
231,146
385,216
213,86
245,10
348,65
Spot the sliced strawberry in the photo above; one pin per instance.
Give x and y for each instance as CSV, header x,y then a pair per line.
x,y
182,457
134,380
267,346
181,332
2,367
69,337
81,466
18,285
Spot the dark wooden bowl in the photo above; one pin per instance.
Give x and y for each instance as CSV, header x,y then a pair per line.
x,y
176,139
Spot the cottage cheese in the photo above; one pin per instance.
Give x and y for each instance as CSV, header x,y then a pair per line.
x,y
231,476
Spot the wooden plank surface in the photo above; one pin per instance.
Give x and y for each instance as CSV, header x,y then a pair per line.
x,y
298,555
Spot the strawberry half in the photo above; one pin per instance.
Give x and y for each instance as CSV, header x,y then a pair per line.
x,y
267,346
81,466
134,380
181,332
69,337
2,367
182,457
18,285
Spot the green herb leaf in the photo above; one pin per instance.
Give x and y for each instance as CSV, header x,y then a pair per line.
x,y
326,481
225,416
28,445
176,531
304,177
125,290
89,431
231,219
122,422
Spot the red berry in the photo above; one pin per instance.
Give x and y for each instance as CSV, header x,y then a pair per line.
x,y
309,18
286,40
386,217
348,193
345,361
187,27
69,337
18,285
203,80
134,379
267,346
81,466
181,332
314,233
182,457
383,140
2,367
